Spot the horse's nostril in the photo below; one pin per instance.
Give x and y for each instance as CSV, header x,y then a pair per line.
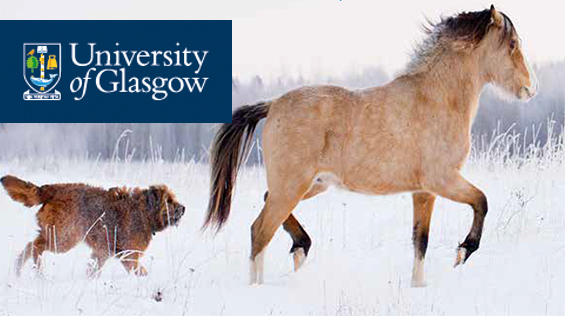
x,y
530,92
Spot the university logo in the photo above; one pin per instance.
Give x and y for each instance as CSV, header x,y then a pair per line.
x,y
42,70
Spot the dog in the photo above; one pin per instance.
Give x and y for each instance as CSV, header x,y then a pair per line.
x,y
117,222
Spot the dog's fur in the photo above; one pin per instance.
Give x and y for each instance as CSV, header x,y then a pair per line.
x,y
116,222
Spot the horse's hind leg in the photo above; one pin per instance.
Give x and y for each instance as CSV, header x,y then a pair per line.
x,y
301,242
423,208
277,209
316,189
456,188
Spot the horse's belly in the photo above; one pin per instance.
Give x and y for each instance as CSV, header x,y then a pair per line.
x,y
373,180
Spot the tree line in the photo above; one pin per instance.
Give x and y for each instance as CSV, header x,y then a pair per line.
x,y
176,141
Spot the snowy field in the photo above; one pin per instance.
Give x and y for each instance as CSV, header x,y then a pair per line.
x,y
360,262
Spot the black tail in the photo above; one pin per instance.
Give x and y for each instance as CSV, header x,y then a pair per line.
x,y
229,149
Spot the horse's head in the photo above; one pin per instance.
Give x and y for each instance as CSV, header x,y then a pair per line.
x,y
485,41
503,61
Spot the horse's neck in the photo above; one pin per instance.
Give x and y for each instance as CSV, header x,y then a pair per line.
x,y
453,84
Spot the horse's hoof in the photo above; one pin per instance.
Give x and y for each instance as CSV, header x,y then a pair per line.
x,y
419,283
418,275
256,270
299,257
255,281
461,256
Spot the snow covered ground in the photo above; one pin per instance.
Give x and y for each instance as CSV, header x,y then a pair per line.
x,y
360,262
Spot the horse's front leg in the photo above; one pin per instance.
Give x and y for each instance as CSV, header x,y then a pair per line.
x,y
454,187
423,208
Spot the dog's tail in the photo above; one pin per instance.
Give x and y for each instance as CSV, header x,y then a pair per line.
x,y
22,191
229,149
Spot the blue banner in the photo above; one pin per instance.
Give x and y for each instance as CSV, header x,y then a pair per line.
x,y
115,71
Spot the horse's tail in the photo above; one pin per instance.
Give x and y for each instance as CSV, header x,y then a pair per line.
x,y
229,149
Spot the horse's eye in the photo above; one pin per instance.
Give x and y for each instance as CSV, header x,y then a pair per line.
x,y
513,45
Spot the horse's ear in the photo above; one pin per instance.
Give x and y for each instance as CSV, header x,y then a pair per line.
x,y
495,16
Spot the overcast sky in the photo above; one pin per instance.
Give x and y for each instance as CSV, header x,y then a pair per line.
x,y
314,37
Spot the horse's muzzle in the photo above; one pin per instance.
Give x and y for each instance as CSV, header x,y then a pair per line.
x,y
527,93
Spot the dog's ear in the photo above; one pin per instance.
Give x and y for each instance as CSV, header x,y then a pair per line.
x,y
161,194
158,196
154,198
153,195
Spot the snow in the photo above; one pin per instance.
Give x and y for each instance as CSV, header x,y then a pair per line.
x,y
360,262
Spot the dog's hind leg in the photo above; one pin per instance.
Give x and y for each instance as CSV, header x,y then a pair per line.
x,y
98,259
35,249
130,261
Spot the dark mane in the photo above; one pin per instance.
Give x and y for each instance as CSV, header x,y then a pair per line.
x,y
469,27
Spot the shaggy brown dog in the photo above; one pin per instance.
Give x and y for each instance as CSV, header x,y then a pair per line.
x,y
116,222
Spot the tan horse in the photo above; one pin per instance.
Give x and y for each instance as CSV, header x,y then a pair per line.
x,y
411,135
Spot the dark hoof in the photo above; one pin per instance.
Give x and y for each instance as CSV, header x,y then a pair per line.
x,y
464,251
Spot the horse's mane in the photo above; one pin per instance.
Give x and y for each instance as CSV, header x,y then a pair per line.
x,y
466,27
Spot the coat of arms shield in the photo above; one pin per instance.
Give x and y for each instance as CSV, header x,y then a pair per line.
x,y
42,70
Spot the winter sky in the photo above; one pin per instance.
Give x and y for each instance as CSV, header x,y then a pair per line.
x,y
314,37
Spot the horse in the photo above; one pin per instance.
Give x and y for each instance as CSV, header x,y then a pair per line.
x,y
410,135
